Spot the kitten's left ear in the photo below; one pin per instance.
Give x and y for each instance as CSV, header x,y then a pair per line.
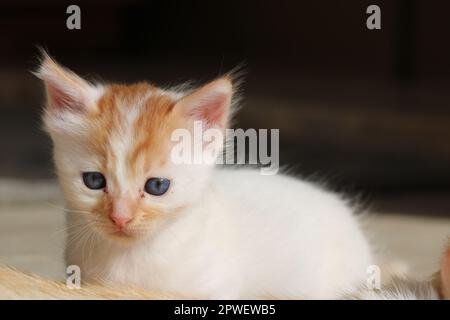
x,y
66,91
209,104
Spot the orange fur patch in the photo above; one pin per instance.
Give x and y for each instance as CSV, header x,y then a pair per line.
x,y
149,130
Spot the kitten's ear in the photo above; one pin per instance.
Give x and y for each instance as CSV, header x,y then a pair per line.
x,y
210,103
445,274
65,90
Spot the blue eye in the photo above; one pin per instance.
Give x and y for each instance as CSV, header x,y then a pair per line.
x,y
157,186
94,180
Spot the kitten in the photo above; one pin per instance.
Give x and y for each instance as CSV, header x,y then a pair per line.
x,y
191,230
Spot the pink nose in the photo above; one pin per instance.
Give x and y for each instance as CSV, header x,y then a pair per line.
x,y
120,222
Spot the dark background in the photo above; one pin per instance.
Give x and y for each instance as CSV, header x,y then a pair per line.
x,y
368,110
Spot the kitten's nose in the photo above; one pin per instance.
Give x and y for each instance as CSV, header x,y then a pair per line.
x,y
122,211
120,222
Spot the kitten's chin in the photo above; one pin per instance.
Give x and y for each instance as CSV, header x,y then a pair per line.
x,y
123,237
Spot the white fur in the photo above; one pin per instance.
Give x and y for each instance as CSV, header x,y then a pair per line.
x,y
250,236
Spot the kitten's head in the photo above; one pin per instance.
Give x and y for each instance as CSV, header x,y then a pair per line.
x,y
113,148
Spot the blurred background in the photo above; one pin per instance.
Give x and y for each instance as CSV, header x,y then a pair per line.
x,y
366,110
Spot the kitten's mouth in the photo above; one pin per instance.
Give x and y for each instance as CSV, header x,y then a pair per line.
x,y
121,233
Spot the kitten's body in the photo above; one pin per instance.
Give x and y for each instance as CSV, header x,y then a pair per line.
x,y
213,234
243,243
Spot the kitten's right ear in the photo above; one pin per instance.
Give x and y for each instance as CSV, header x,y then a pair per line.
x,y
210,103
66,91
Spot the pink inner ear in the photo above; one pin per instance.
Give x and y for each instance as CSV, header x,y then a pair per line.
x,y
211,111
60,100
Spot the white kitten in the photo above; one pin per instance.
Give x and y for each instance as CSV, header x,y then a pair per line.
x,y
190,230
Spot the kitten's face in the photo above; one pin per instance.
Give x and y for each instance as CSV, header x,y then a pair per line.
x,y
113,149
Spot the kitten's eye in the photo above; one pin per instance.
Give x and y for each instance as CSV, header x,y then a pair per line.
x,y
157,186
94,180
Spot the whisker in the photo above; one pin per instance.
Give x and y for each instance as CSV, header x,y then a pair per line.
x,y
66,209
